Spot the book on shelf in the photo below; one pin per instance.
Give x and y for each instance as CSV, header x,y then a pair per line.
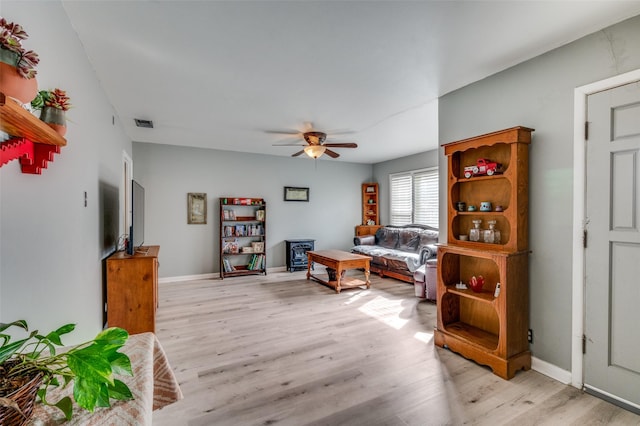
x,y
228,267
241,231
228,214
257,262
230,246
256,230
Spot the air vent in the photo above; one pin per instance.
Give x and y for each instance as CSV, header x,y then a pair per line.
x,y
143,123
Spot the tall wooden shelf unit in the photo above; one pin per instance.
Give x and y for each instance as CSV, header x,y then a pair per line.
x,y
132,290
370,210
242,236
489,329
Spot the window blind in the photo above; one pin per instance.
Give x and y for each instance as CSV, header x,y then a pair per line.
x,y
425,197
401,199
414,197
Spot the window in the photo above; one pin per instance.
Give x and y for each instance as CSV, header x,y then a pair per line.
x,y
414,197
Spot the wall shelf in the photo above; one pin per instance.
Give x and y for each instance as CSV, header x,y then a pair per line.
x,y
31,140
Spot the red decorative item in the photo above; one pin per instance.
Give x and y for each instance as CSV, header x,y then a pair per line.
x,y
483,166
32,142
476,284
33,156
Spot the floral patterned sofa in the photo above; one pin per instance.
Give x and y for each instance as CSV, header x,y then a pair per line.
x,y
397,251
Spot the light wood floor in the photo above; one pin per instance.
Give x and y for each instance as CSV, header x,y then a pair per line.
x,y
283,350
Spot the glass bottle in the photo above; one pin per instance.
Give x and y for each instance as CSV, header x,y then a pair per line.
x,y
474,233
491,235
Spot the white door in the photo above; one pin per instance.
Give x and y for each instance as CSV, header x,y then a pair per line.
x,y
612,255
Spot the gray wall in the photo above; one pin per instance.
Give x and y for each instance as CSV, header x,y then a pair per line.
x,y
539,94
168,173
51,247
381,172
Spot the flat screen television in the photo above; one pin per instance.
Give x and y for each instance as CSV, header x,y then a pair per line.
x,y
136,230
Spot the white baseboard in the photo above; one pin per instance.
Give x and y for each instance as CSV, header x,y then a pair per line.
x,y
213,275
210,276
551,370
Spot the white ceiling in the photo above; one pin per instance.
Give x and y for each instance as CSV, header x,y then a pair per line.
x,y
219,74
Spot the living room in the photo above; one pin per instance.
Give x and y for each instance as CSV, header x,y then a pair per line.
x,y
51,266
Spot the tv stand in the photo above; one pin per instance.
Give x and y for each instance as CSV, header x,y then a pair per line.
x,y
132,289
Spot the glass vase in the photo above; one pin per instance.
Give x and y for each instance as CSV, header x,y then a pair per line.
x,y
491,235
474,233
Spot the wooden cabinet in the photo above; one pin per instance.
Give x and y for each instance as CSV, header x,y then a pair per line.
x,y
489,327
132,290
242,236
370,204
366,230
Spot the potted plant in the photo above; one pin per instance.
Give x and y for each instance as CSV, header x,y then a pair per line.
x,y
17,65
54,105
33,362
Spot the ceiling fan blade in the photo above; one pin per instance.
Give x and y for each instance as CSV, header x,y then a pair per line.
x,y
283,132
288,144
298,153
331,154
341,145
339,132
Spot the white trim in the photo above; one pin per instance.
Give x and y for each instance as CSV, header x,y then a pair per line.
x,y
551,370
579,187
210,276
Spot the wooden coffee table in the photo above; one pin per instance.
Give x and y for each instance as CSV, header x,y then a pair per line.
x,y
340,261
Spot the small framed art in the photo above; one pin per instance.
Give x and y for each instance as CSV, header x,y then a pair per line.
x,y
196,208
296,194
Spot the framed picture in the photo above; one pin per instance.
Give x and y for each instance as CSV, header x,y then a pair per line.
x,y
196,208
296,194
258,246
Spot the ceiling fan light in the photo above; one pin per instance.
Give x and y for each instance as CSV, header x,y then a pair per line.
x,y
314,151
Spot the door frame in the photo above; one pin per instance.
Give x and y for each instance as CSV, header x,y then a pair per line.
x,y
579,196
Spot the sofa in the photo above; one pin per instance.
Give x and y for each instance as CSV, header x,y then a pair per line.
x,y
398,251
424,280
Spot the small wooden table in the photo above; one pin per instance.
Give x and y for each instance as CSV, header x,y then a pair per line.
x,y
340,261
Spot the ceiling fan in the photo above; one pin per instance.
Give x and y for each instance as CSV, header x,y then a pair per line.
x,y
316,142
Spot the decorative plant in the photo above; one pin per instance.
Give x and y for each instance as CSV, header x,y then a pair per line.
x,y
11,37
91,366
55,98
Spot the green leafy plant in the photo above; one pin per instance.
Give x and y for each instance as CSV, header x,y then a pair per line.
x,y
55,98
11,38
90,365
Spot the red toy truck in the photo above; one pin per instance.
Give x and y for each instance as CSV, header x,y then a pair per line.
x,y
483,166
